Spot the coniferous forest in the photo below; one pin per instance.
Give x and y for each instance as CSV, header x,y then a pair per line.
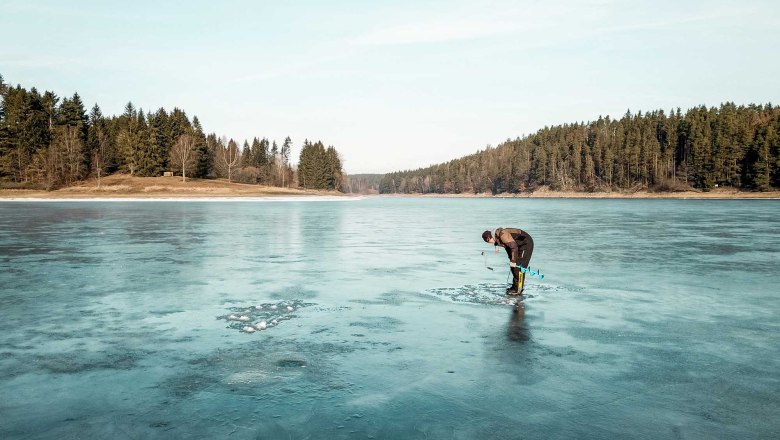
x,y
363,183
730,146
50,142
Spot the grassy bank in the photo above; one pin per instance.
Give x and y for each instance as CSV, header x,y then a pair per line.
x,y
125,186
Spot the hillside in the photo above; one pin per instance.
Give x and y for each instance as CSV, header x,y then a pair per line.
x,y
702,149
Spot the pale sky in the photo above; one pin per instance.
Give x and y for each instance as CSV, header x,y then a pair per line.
x,y
400,84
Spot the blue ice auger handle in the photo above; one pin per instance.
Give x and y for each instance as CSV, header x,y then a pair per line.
x,y
528,271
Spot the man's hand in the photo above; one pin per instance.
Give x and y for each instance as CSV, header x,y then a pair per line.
x,y
512,264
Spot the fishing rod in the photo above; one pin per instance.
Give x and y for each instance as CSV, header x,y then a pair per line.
x,y
486,266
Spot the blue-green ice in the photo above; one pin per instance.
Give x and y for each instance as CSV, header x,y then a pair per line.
x,y
655,319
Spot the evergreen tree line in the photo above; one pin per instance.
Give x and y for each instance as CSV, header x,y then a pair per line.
x,y
265,162
319,167
363,183
731,146
45,141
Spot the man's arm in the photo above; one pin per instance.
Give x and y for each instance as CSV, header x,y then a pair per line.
x,y
511,244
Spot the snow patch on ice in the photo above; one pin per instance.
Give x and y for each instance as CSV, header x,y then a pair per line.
x,y
264,316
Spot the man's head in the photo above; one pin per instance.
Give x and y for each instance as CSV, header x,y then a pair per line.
x,y
488,237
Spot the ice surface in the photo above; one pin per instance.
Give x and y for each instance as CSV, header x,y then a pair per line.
x,y
655,319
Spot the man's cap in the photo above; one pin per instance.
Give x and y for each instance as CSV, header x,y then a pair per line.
x,y
487,236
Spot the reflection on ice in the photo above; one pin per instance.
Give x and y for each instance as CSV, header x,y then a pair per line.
x,y
518,329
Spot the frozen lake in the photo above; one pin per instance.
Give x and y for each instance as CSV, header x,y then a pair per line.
x,y
655,319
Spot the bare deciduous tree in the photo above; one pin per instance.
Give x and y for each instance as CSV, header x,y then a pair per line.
x,y
183,154
68,149
228,158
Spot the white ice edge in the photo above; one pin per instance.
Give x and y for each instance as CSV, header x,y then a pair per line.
x,y
189,199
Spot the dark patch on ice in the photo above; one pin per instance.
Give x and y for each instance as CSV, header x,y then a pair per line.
x,y
266,370
18,347
333,309
378,323
160,424
183,339
331,348
164,312
404,270
184,386
291,363
10,300
81,360
397,297
622,336
392,298
366,301
295,292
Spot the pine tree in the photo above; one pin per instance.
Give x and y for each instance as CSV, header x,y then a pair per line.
x,y
128,139
246,153
285,152
305,165
204,159
50,101
6,136
149,160
33,134
761,171
160,126
333,171
274,163
98,145
254,153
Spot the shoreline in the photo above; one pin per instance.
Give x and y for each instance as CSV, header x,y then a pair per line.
x,y
639,195
302,198
178,197
122,187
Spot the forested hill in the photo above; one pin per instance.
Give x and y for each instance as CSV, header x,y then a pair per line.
x,y
363,183
48,142
733,146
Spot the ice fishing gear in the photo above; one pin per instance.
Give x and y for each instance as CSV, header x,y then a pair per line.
x,y
486,266
527,270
